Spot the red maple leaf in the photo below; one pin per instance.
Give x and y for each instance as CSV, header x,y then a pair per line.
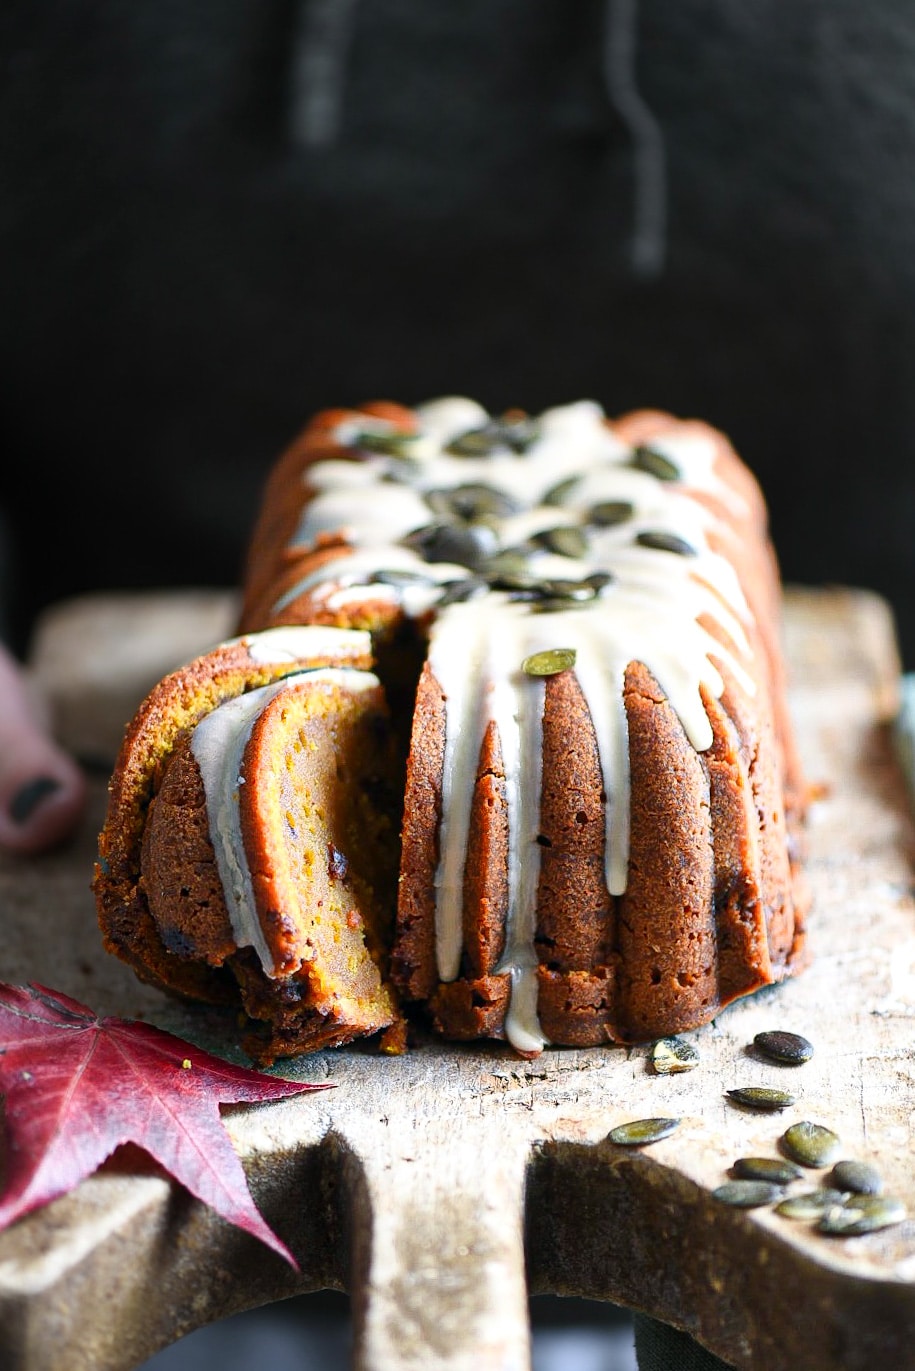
x,y
78,1086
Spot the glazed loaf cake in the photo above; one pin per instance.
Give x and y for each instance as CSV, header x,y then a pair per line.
x,y
575,622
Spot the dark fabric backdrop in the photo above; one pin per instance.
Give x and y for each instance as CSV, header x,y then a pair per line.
x,y
183,279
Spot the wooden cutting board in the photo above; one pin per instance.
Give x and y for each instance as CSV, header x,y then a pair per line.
x,y
441,1187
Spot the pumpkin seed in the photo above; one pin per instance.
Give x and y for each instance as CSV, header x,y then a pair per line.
x,y
512,563
559,493
810,1144
399,577
748,1194
568,590
541,605
862,1214
761,1097
640,1132
608,512
568,540
464,545
598,580
457,592
670,1056
771,1169
472,502
661,541
790,1049
388,444
550,662
515,434
859,1177
648,459
811,1204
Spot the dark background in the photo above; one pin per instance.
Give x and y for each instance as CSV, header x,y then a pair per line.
x,y
184,277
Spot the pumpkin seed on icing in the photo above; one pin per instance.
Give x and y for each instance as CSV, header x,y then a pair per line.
x,y
599,579
647,458
859,1177
457,592
400,577
472,502
511,564
761,1097
465,545
515,434
568,590
640,1132
789,1049
670,1056
775,1170
389,444
811,1204
567,540
746,1194
606,513
561,493
811,1144
549,662
861,1214
663,541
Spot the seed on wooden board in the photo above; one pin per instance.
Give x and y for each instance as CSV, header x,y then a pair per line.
x,y
662,541
789,1049
761,1097
773,1169
670,1056
748,1194
566,540
811,1204
859,1177
561,492
648,459
550,662
861,1214
640,1132
810,1144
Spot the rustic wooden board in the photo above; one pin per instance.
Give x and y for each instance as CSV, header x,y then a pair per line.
x,y
439,1188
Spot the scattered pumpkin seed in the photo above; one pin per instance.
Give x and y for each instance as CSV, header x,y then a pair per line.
x,y
541,605
599,579
606,513
568,540
640,1132
662,541
559,493
810,1144
655,463
811,1204
761,1097
550,662
859,1177
862,1214
472,502
790,1049
457,592
670,1056
772,1169
747,1194
568,590
511,562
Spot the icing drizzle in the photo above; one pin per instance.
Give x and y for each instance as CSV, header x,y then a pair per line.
x,y
653,574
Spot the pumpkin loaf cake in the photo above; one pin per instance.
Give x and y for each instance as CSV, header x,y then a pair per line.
x,y
576,623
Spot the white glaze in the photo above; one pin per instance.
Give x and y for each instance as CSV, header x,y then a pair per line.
x,y
649,613
218,745
295,643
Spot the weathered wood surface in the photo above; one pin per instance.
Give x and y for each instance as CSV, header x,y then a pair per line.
x,y
440,1187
